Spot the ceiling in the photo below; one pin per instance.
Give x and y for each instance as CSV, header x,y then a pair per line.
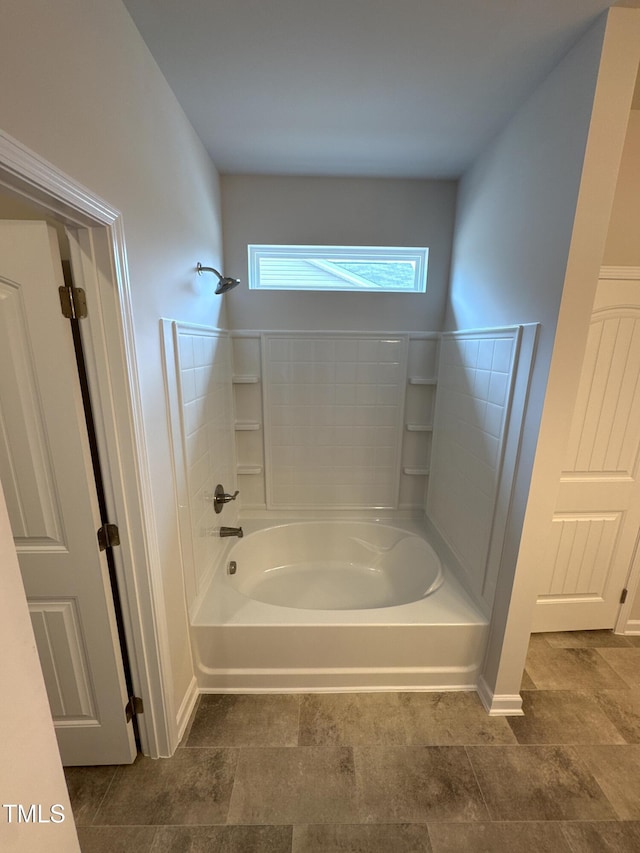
x,y
387,88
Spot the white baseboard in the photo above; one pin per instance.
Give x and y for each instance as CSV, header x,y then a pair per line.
x,y
632,627
186,707
505,705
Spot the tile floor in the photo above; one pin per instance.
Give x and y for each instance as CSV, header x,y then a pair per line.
x,y
397,772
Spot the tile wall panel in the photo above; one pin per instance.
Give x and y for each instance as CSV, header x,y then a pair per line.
x,y
247,394
333,409
472,408
422,368
204,383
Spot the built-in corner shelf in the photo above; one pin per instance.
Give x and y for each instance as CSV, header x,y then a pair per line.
x,y
249,469
422,380
245,379
419,427
240,426
416,472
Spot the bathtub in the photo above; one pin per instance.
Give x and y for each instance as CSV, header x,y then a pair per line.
x,y
335,605
334,565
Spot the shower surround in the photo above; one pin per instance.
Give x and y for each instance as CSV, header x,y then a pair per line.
x,y
334,421
339,425
198,363
333,407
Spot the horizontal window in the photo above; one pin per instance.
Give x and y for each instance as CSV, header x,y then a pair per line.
x,y
361,268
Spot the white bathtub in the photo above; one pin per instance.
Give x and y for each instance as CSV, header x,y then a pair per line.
x,y
334,565
335,605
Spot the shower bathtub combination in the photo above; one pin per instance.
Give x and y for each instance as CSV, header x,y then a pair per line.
x,y
335,605
373,505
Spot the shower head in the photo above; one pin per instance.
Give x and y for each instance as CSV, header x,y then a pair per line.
x,y
224,283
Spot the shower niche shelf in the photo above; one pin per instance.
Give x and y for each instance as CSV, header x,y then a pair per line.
x,y
245,379
248,419
422,380
420,392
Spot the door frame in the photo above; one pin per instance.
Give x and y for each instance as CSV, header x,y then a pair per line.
x,y
100,267
623,624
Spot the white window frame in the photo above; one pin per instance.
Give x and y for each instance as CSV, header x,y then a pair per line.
x,y
323,256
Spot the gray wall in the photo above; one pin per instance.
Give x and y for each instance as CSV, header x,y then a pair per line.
x,y
337,211
86,95
516,211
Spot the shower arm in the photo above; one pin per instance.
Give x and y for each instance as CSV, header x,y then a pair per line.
x,y
224,283
200,269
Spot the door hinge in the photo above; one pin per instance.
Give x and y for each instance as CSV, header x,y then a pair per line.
x,y
133,707
108,536
73,302
623,596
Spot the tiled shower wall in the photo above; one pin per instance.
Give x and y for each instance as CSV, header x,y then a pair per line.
x,y
205,444
333,410
332,420
475,384
329,421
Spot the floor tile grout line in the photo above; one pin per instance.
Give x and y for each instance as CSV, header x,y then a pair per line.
x,y
605,711
425,822
584,764
590,694
182,825
475,776
107,789
621,690
233,785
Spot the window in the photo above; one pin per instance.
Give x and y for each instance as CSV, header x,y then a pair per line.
x,y
361,268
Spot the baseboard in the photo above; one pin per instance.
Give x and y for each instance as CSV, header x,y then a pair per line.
x,y
186,707
632,627
505,705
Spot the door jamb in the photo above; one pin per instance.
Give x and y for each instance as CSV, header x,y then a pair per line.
x,y
113,376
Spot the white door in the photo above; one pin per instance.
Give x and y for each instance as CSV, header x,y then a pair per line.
x,y
593,535
46,473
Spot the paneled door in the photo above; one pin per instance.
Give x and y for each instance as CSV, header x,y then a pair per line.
x,y
47,477
594,531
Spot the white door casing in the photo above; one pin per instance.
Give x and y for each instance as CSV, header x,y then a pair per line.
x,y
47,476
99,260
594,531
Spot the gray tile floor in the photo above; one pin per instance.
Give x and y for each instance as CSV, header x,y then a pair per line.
x,y
400,772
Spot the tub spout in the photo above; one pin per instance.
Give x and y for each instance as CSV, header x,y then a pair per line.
x,y
231,531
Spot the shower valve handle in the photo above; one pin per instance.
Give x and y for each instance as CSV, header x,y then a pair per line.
x,y
220,498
